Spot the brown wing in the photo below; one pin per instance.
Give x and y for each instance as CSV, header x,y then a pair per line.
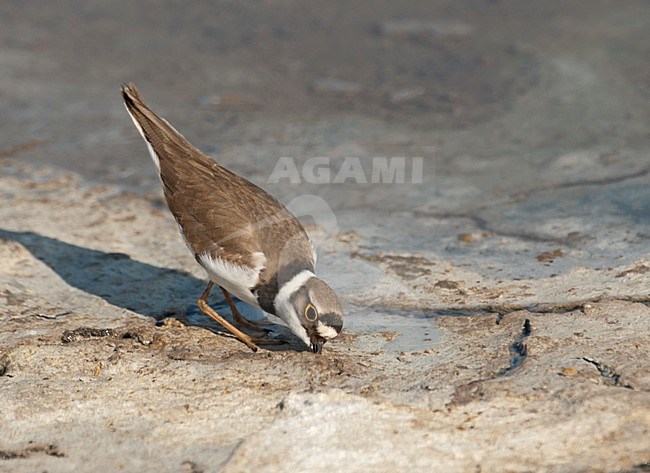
x,y
219,212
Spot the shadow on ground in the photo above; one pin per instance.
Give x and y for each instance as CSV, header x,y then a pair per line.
x,y
124,282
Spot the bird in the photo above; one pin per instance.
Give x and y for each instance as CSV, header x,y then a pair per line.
x,y
250,245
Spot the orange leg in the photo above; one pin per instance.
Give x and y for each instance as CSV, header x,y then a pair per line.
x,y
237,317
242,321
205,307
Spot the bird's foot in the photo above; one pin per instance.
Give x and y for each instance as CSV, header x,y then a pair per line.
x,y
205,307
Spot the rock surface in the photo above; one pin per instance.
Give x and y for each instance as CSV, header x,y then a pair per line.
x,y
498,313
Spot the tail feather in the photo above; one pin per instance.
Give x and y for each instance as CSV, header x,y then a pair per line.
x,y
162,139
130,92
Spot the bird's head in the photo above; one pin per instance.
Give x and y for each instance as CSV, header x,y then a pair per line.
x,y
312,311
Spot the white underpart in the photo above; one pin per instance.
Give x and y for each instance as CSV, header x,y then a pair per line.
x,y
235,278
153,154
284,309
326,331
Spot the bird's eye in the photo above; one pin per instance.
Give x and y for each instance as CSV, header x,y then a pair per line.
x,y
311,313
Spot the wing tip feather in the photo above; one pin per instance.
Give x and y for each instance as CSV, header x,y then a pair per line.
x,y
130,93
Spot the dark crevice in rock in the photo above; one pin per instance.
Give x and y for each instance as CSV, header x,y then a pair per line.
x,y
502,310
518,350
606,181
484,225
4,365
77,334
570,240
610,375
142,336
474,390
44,315
51,450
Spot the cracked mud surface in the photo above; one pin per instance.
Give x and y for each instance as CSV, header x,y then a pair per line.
x,y
497,315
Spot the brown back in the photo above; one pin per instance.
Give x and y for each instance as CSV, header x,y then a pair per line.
x,y
219,212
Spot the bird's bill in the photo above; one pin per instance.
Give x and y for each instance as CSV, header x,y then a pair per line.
x,y
316,345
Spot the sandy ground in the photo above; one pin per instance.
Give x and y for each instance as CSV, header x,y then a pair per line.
x,y
498,313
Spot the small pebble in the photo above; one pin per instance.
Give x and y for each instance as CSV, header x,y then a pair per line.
x,y
569,372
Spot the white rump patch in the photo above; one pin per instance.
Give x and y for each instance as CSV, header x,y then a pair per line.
x,y
235,278
285,310
326,331
153,154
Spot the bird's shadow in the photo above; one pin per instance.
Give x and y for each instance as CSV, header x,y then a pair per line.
x,y
130,284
